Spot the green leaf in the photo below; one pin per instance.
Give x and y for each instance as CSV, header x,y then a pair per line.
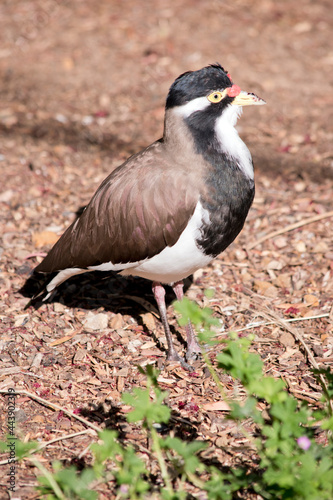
x,y
71,483
174,495
246,409
107,450
151,373
268,388
21,449
223,485
146,409
131,470
240,363
209,293
189,463
190,311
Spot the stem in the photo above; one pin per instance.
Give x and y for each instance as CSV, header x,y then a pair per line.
x,y
216,379
214,375
160,459
50,479
195,480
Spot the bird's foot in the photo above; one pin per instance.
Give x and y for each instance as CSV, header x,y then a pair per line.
x,y
175,357
193,356
193,352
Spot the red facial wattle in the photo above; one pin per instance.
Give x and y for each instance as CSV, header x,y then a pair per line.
x,y
233,91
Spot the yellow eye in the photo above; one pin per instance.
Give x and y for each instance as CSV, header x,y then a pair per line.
x,y
215,97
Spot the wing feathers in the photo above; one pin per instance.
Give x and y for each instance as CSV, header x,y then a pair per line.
x,y
142,207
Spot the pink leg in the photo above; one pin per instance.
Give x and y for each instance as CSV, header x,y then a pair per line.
x,y
159,294
193,348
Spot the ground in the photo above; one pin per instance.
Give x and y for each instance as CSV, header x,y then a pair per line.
x,y
83,87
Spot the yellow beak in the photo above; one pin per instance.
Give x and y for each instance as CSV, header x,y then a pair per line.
x,y
247,99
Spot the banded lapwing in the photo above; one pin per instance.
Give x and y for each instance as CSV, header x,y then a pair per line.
x,y
171,208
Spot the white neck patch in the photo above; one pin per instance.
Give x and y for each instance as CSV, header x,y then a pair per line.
x,y
229,140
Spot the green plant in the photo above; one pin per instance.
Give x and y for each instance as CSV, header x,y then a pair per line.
x,y
291,464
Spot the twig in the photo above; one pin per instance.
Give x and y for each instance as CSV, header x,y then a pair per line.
x,y
29,374
300,395
56,407
296,225
47,443
268,314
61,438
289,320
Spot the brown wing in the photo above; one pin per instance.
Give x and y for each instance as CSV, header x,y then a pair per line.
x,y
140,208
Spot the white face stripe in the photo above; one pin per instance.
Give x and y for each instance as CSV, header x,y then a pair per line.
x,y
198,104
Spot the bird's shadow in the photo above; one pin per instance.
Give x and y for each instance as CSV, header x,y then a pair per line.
x,y
112,417
128,295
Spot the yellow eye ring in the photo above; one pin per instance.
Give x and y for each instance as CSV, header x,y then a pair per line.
x,y
215,97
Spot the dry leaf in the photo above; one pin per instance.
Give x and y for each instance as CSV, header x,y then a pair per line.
x,y
283,280
94,381
96,322
216,406
166,381
276,265
148,345
321,247
68,63
311,300
120,384
287,305
152,352
116,321
149,321
287,339
79,356
63,339
123,372
300,246
265,288
280,242
38,419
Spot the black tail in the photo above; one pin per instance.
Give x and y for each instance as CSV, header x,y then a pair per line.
x,y
35,288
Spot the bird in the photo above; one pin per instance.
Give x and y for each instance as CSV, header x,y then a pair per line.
x,y
171,208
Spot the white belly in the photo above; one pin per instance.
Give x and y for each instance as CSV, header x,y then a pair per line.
x,y
173,263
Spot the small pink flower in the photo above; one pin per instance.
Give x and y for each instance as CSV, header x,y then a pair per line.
x,y
304,442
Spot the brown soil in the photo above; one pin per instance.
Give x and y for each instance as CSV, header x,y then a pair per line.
x,y
83,87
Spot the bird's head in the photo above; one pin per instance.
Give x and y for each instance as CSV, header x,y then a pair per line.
x,y
208,104
210,89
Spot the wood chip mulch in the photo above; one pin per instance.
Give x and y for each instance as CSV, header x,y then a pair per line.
x,y
73,119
